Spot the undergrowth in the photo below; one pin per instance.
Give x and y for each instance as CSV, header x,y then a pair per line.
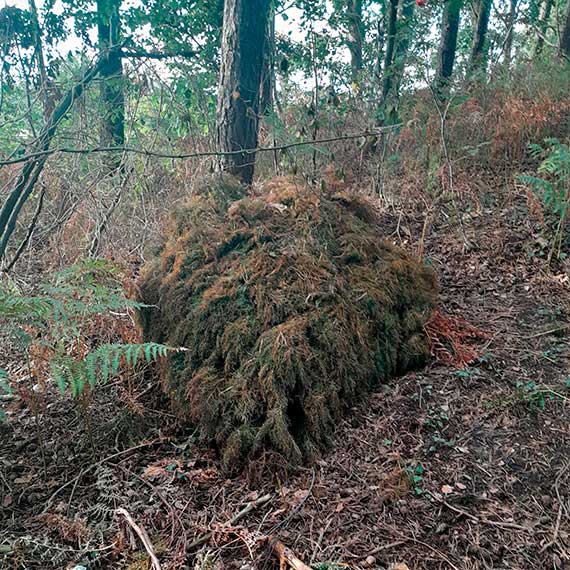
x,y
552,187
60,331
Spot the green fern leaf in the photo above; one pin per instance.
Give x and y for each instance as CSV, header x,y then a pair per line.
x,y
116,360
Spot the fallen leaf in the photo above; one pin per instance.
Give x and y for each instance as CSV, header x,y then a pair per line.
x,y
446,489
23,480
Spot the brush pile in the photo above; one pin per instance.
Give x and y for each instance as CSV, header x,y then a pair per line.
x,y
290,307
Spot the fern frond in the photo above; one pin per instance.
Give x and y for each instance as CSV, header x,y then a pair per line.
x,y
104,363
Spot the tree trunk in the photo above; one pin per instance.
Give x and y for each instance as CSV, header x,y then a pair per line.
x,y
379,58
112,97
243,48
268,71
542,25
510,32
33,167
399,35
565,34
479,48
403,38
391,30
448,43
356,37
45,83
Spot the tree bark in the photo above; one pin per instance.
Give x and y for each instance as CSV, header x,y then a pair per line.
x,y
268,71
448,43
542,25
565,34
45,83
403,39
243,48
479,48
510,32
380,41
356,37
112,131
391,30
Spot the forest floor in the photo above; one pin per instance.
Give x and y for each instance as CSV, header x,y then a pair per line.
x,y
442,469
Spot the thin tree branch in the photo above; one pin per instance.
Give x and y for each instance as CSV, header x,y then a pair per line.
x,y
33,168
67,150
142,54
29,233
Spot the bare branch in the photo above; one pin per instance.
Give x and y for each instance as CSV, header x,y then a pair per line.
x,y
67,150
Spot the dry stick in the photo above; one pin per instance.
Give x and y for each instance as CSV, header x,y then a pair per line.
x,y
102,224
545,333
141,532
435,551
286,556
207,154
478,520
165,502
247,509
388,546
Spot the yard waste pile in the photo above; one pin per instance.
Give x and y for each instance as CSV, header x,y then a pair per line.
x,y
290,307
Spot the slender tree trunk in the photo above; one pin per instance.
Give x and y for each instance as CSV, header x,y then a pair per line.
x,y
268,71
510,32
45,83
243,48
32,169
542,26
479,48
356,38
565,33
379,59
112,96
399,36
391,30
448,43
403,39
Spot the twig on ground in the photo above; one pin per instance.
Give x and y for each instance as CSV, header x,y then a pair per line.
x,y
545,333
286,556
246,510
478,520
141,532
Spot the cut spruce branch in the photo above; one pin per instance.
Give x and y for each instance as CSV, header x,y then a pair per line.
x,y
145,152
27,179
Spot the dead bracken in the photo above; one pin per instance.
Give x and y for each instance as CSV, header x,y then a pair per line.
x,y
291,307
